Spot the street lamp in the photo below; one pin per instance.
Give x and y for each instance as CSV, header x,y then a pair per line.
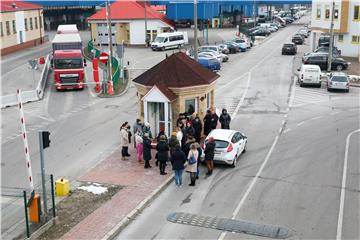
x,y
195,32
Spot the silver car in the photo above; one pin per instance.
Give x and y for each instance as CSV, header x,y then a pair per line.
x,y
338,80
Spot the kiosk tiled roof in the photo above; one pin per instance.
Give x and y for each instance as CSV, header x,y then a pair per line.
x,y
177,71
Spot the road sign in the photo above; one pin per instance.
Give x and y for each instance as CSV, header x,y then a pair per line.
x,y
104,57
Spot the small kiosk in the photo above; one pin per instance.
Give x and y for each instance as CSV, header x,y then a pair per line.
x,y
178,84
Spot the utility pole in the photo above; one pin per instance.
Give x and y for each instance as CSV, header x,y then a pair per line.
x,y
108,19
331,37
145,15
42,166
195,32
254,12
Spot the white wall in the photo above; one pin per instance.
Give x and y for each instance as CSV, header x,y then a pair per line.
x,y
20,26
137,29
322,22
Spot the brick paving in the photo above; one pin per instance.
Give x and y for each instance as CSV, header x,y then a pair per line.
x,y
138,184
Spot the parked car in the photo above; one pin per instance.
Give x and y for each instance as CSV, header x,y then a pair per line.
x,y
210,47
297,39
229,145
165,41
289,48
303,32
309,75
260,32
241,46
243,40
211,53
210,63
233,48
224,48
336,51
324,40
288,19
338,80
321,60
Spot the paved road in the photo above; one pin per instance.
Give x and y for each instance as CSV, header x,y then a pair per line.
x,y
291,174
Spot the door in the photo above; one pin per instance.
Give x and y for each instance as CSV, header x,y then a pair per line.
x,y
21,37
156,117
103,33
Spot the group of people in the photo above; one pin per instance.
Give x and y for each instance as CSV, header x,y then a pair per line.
x,y
182,149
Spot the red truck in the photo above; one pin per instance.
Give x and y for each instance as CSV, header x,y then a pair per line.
x,y
68,61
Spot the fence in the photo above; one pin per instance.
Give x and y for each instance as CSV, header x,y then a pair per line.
x,y
13,210
31,95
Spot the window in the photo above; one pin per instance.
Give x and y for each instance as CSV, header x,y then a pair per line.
x,y
340,38
14,26
26,24
148,35
318,12
208,100
36,23
40,22
7,28
1,29
355,39
327,12
357,13
190,106
31,24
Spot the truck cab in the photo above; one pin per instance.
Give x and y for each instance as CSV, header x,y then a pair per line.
x,y
68,67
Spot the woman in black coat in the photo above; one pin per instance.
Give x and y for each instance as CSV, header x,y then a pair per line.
x,y
197,125
207,123
178,160
147,150
162,154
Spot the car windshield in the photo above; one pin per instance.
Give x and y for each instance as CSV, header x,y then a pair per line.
x,y
159,39
68,63
339,79
288,45
221,144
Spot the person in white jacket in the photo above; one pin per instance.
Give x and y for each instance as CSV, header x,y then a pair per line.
x,y
124,139
179,135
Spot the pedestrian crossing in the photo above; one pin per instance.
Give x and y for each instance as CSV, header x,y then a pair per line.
x,y
309,95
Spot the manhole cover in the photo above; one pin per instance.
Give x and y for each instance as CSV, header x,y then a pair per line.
x,y
229,225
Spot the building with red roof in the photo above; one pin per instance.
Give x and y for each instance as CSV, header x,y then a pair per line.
x,y
128,23
21,25
178,84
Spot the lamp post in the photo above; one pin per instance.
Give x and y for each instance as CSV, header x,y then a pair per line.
x,y
145,15
195,31
331,37
108,20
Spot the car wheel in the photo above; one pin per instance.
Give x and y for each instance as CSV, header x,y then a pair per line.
x,y
244,151
347,90
339,67
301,84
319,85
163,48
328,89
233,165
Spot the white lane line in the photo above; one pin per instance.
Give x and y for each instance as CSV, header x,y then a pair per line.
x,y
287,130
300,123
343,185
233,115
39,116
243,199
318,117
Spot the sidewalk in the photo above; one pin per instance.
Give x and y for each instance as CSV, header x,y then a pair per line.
x,y
138,185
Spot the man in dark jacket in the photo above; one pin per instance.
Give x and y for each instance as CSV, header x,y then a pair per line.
x,y
162,154
190,140
178,160
146,150
173,142
209,155
207,123
214,119
197,125
189,130
225,119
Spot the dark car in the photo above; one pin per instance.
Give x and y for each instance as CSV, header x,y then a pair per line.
x,y
288,19
233,48
324,40
336,51
260,32
321,60
297,39
289,48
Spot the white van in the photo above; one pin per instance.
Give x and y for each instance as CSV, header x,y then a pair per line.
x,y
169,40
310,74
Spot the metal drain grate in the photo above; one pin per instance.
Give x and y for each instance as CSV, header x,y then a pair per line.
x,y
229,225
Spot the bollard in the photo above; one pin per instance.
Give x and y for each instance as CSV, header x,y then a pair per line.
x,y
62,187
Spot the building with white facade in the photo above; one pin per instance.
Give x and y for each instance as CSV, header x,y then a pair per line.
x,y
346,24
128,23
21,25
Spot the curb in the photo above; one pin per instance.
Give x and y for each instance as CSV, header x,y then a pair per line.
x,y
128,219
354,84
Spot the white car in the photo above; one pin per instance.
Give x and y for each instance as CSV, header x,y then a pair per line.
x,y
310,75
210,53
338,80
229,145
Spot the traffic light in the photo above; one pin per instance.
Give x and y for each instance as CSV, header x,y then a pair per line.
x,y
46,139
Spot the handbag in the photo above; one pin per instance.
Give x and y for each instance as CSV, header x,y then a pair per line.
x,y
192,159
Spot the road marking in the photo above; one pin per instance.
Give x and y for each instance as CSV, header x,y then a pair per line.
x,y
300,123
233,115
343,185
287,130
39,116
318,117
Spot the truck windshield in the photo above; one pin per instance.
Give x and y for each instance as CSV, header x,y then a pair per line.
x,y
68,63
159,39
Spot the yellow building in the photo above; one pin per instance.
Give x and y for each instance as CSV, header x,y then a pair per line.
x,y
21,25
176,85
